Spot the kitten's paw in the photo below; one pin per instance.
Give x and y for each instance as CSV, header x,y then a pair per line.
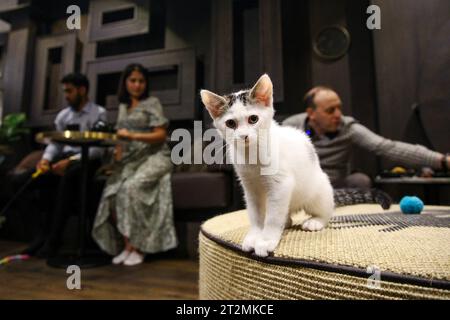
x,y
264,247
249,241
313,225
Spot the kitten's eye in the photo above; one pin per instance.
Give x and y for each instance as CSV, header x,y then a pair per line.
x,y
253,119
231,124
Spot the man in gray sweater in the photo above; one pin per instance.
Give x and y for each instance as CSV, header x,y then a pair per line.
x,y
333,136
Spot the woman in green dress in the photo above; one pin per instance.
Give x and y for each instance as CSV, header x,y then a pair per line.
x,y
135,214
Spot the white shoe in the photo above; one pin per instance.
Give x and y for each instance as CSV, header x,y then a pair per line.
x,y
134,258
121,257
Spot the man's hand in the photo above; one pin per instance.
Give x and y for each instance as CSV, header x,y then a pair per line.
x,y
60,167
124,134
43,165
445,162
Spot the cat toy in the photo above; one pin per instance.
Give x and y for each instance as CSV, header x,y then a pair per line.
x,y
17,257
411,205
34,176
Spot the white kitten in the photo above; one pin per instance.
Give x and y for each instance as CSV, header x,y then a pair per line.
x,y
292,180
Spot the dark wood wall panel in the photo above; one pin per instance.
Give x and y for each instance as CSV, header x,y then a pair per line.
x,y
221,45
332,73
362,80
178,102
296,55
16,79
42,114
271,44
269,55
412,65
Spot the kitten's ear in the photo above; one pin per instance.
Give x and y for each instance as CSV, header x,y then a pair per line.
x,y
213,102
262,91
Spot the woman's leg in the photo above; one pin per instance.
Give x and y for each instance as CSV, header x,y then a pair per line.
x,y
122,257
128,245
135,257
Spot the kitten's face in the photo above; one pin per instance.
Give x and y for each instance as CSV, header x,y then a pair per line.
x,y
240,116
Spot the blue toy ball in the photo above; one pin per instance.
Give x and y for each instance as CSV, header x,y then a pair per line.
x,y
411,205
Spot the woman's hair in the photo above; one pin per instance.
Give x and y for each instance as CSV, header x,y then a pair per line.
x,y
123,94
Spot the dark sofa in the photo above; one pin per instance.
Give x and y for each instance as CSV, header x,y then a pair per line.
x,y
199,192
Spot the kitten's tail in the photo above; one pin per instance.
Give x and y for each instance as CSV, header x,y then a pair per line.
x,y
345,197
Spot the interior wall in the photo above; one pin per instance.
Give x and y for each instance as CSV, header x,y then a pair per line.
x,y
296,55
186,25
387,71
352,76
379,94
362,80
412,58
331,73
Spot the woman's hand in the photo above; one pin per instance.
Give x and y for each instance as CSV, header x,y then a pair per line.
x,y
118,151
157,135
125,134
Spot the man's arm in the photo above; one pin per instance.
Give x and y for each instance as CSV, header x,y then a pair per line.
x,y
401,152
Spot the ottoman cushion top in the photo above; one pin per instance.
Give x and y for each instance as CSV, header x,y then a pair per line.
x,y
410,249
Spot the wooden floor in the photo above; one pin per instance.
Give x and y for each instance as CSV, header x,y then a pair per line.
x,y
166,278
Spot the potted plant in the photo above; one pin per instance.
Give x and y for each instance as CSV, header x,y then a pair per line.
x,y
11,130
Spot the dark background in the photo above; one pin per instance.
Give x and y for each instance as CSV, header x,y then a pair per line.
x,y
384,73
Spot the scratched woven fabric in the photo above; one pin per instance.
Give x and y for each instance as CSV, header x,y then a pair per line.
x,y
360,236
364,253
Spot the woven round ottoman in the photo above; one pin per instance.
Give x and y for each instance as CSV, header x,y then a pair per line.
x,y
364,253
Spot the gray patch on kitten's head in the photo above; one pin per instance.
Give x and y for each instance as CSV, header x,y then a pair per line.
x,y
242,96
261,94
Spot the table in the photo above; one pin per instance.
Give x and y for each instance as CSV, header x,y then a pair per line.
x,y
84,140
430,185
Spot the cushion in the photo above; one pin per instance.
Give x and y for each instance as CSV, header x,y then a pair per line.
x,y
199,190
28,162
364,253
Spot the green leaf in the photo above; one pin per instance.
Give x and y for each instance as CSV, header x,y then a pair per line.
x,y
12,127
14,119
